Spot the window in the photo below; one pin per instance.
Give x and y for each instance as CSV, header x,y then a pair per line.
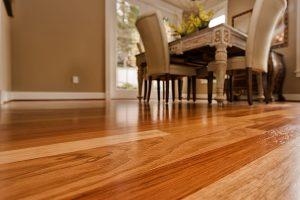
x,y
121,40
218,20
127,39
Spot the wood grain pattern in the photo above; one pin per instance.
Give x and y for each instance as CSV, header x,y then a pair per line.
x,y
69,147
273,176
208,151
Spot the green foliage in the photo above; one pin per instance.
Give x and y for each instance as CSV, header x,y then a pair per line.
x,y
128,86
127,34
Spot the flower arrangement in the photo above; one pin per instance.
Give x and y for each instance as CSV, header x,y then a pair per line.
x,y
194,22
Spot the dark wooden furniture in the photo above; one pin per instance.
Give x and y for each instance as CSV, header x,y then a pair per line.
x,y
221,41
280,40
277,73
8,7
274,80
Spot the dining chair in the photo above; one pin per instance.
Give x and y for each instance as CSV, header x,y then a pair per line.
x,y
265,17
159,65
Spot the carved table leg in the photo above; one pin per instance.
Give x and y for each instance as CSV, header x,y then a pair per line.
x,y
220,71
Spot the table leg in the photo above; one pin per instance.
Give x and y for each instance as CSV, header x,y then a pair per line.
x,y
220,71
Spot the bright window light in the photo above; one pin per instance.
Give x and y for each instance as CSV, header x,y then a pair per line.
x,y
218,20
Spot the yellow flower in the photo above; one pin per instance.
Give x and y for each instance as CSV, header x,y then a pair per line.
x,y
181,29
190,29
197,22
194,22
210,14
203,16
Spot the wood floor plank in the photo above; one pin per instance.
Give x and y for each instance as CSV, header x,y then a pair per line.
x,y
176,180
200,146
91,169
69,147
273,176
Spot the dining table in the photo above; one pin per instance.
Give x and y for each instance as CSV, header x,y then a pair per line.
x,y
221,41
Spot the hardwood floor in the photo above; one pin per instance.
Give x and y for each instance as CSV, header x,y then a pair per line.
x,y
126,150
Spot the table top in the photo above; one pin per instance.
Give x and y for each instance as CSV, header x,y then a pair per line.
x,y
242,36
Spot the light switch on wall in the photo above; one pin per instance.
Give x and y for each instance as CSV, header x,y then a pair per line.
x,y
75,79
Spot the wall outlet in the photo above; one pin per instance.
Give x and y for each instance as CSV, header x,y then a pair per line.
x,y
75,79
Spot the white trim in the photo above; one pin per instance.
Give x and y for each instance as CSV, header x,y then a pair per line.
x,y
55,95
292,97
298,40
110,45
10,96
4,97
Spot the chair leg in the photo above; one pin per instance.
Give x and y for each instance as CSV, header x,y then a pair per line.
x,y
173,89
227,88
270,84
266,87
158,89
149,89
210,82
194,88
164,90
167,88
249,85
231,87
180,83
260,87
145,89
189,82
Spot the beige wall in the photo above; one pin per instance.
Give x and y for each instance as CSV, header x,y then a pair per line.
x,y
292,84
52,40
5,64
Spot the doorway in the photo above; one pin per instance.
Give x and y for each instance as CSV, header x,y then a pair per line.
x,y
123,42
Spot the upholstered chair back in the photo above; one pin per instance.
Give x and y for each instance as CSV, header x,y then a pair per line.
x,y
265,17
154,38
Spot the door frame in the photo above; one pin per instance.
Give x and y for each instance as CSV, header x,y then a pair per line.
x,y
111,90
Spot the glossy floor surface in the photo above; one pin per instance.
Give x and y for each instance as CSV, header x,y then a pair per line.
x,y
126,150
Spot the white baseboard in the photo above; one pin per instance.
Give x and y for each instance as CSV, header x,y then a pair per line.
x,y
55,95
4,97
292,97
